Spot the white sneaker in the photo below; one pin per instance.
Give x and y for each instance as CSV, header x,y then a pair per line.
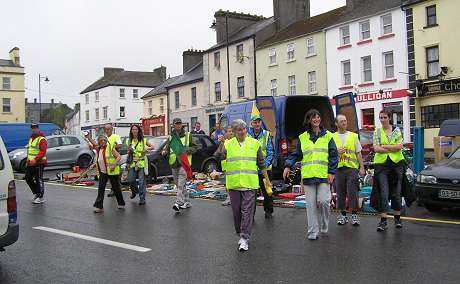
x,y
186,205
35,197
240,241
39,200
244,246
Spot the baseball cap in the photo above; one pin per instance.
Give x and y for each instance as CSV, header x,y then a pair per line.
x,y
177,120
256,117
34,125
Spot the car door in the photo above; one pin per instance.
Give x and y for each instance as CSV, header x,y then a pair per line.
x,y
345,104
70,148
53,153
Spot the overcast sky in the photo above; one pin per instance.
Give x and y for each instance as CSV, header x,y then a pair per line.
x,y
71,41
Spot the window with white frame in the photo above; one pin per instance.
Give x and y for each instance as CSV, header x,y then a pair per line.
x,y
274,87
290,51
217,92
96,96
6,84
87,115
311,47
345,35
162,101
6,105
389,66
366,66
122,93
193,93
162,109
346,73
86,98
312,82
150,103
240,53
104,112
292,87
272,56
240,86
122,111
387,24
176,100
432,61
150,111
135,94
431,18
217,59
96,113
365,30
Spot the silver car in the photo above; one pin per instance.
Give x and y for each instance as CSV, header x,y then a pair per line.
x,y
63,150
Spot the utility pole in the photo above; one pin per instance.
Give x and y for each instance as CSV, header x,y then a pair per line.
x,y
228,59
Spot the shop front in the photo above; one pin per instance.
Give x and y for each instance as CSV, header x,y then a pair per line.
x,y
155,125
214,113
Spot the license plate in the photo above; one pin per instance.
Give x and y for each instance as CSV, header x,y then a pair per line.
x,y
450,194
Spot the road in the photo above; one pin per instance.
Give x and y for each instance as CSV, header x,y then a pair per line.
x,y
199,246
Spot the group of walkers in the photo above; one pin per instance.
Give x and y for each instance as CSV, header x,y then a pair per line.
x,y
247,154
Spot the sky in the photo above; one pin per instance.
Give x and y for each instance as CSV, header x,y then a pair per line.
x,y
71,41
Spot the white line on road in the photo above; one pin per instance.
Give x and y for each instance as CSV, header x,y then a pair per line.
x,y
93,239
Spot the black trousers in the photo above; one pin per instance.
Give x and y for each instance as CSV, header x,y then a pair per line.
x,y
116,188
347,185
389,178
34,178
268,200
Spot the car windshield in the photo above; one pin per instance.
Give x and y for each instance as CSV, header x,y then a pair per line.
x,y
157,141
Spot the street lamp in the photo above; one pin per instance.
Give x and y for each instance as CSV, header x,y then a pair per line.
x,y
40,77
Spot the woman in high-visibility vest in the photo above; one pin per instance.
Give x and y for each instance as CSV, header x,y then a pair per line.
x,y
318,153
388,169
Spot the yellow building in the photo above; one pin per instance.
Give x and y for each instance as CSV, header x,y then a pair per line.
x,y
434,63
293,61
12,96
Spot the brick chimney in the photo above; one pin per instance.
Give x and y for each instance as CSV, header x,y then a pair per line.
x,y
191,58
236,21
287,12
109,71
161,72
14,56
35,101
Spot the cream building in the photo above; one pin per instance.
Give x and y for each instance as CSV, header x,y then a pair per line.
x,y
12,94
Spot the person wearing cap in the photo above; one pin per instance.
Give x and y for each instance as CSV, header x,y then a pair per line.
x,y
266,141
177,169
36,162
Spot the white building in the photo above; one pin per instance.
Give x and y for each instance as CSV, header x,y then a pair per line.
x,y
72,121
116,98
367,54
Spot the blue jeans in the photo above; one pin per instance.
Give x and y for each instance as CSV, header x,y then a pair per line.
x,y
136,181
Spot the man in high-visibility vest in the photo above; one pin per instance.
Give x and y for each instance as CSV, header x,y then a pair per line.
x,y
180,166
115,143
266,141
350,167
36,161
244,159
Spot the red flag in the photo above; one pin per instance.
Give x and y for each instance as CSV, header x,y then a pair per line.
x,y
179,150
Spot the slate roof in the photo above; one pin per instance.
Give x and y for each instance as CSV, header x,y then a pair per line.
x,y
411,2
161,89
126,78
7,63
314,24
194,74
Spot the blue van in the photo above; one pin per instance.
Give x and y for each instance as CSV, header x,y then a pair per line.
x,y
16,135
284,117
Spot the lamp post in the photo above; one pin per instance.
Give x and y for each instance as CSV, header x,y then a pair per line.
x,y
40,77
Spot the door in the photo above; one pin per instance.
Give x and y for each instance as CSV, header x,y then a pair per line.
x,y
53,153
345,104
70,148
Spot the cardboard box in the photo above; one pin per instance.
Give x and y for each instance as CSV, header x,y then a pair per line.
x,y
443,146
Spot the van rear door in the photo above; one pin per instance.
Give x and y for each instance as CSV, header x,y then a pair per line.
x,y
267,109
345,104
6,176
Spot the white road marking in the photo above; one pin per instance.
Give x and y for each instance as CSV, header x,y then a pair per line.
x,y
93,239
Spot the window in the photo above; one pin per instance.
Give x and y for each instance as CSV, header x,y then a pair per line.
x,y
96,96
311,47
122,111
389,71
434,115
240,86
346,73
272,56
162,101
432,61
104,112
366,66
345,35
87,115
365,30
69,140
122,93
239,53
217,59
6,104
6,83
290,51
87,98
96,113
150,111
162,109
193,90
274,87
193,120
135,94
431,19
217,91
292,89
312,82
176,100
52,142
150,103
387,25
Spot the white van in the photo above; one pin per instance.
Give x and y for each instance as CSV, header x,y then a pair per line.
x,y
9,228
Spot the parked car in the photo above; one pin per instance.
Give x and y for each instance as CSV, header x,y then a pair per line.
x,y
438,185
16,135
9,228
63,150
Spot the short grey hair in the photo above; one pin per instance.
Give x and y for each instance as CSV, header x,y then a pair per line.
x,y
239,123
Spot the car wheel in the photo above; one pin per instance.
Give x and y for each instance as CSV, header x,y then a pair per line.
x,y
84,161
23,166
433,208
209,166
